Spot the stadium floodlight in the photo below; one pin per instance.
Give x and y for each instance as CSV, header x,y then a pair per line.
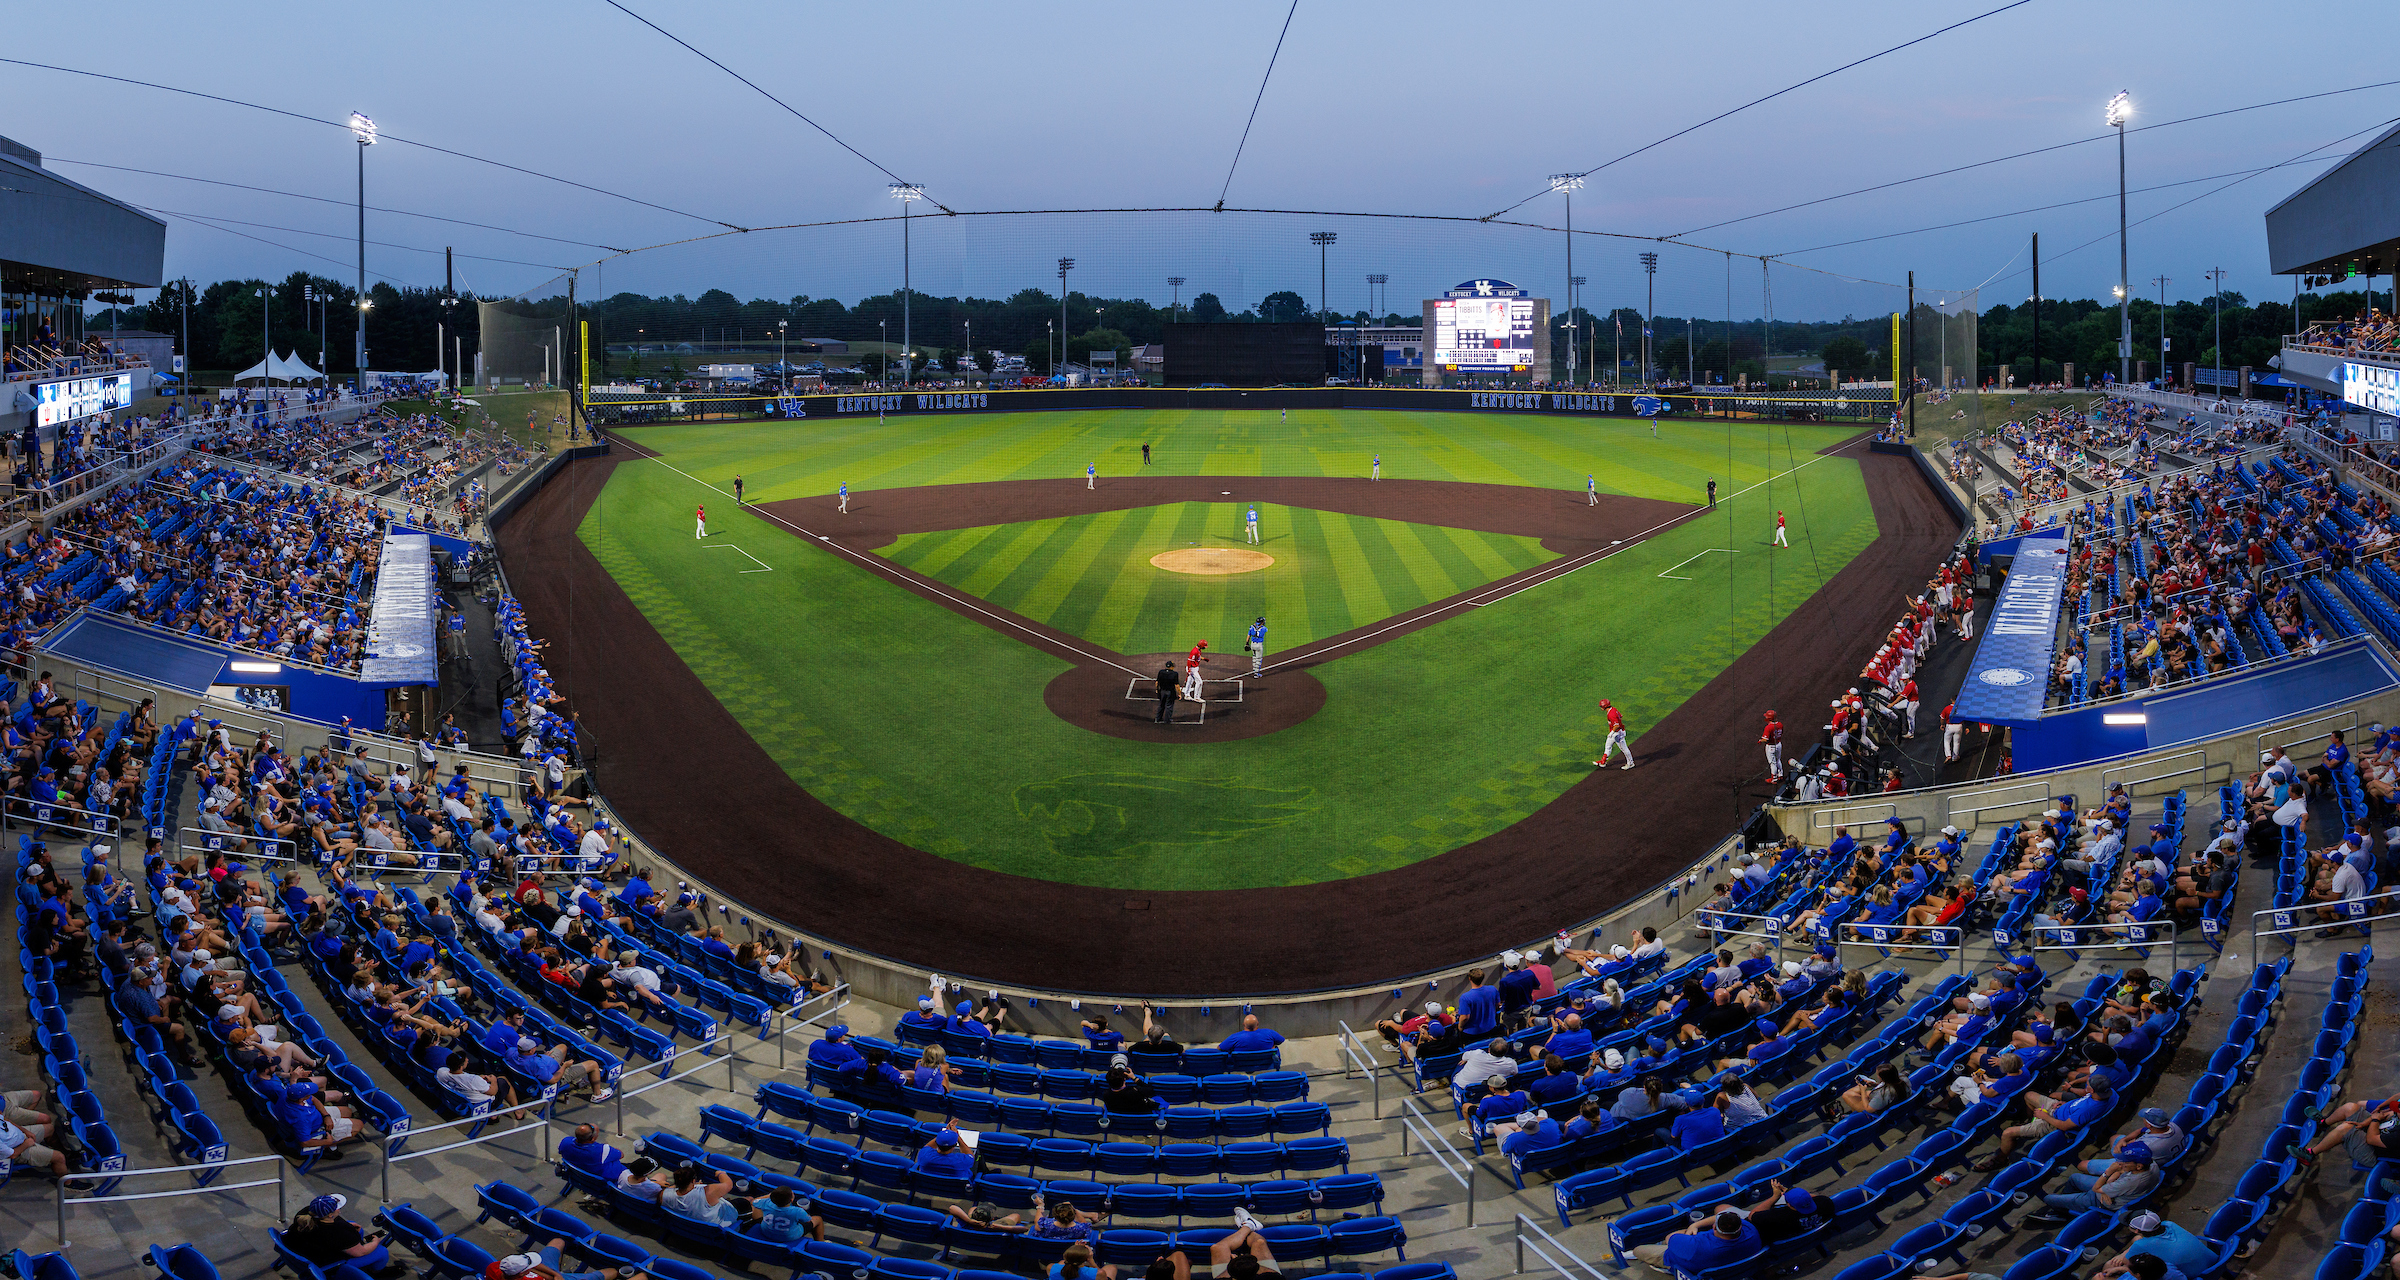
x,y
1175,299
1566,185
2120,109
1323,240
907,193
1649,309
1058,357
363,129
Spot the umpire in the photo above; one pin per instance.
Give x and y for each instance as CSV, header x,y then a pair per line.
x,y
1167,694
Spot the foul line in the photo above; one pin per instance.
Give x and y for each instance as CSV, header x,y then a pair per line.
x,y
763,566
1669,571
1565,567
923,585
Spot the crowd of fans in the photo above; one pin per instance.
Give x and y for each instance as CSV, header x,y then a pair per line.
x,y
2374,331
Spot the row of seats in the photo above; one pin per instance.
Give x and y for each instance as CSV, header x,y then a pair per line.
x,y
1082,1119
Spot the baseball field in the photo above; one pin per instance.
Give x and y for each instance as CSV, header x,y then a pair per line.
x,y
892,661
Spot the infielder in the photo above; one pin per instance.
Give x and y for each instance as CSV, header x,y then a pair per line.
x,y
1780,539
845,491
1375,468
1253,522
1617,741
700,517
1591,490
1771,737
1091,475
1258,647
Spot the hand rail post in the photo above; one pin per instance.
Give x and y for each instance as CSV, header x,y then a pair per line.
x,y
283,1212
1520,1253
60,1188
1472,1167
385,1173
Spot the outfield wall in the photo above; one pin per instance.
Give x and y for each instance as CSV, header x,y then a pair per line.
x,y
605,407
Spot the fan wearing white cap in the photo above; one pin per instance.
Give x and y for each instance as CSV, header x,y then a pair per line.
x,y
927,1018
1518,987
2162,1241
543,1265
1957,1026
1412,1032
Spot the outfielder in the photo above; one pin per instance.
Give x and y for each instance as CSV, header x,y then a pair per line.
x,y
1617,741
700,517
1253,522
1780,539
845,497
1258,647
1375,468
1771,737
1091,475
1591,490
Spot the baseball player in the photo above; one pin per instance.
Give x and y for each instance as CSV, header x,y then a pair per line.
x,y
1953,733
1591,490
1145,453
1908,705
737,491
1192,659
1258,647
1780,539
700,515
1375,468
1252,521
1617,740
1771,737
1091,475
1191,685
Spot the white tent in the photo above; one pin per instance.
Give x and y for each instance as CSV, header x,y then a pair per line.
x,y
277,368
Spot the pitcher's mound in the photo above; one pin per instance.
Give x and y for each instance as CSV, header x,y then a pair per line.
x,y
1212,560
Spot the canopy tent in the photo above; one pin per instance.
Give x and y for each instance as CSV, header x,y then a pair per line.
x,y
277,368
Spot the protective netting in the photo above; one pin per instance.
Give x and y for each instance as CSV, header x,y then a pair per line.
x,y
1945,364
529,338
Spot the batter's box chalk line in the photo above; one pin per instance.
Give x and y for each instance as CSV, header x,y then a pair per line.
x,y
763,566
1669,571
1145,689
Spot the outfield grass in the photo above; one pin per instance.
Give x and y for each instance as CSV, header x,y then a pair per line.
x,y
930,727
1091,575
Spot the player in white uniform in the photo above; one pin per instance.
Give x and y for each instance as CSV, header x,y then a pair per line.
x,y
701,516
1253,523
1591,490
1191,685
845,497
1375,468
1091,475
1258,647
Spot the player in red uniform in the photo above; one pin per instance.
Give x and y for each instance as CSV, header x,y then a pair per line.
x,y
1772,738
1780,540
1617,741
700,515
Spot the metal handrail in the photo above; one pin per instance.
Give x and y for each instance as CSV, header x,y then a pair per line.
x,y
2284,928
1819,818
1952,809
1361,1060
1956,934
282,1209
1580,1270
2264,747
1429,1137
2130,783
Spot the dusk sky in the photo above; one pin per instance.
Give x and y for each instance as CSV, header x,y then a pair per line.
x,y
1397,108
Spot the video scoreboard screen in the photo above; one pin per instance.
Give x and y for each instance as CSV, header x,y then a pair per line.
x,y
1486,325
65,401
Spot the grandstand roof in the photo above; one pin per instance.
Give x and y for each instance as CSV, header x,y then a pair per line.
x,y
2348,217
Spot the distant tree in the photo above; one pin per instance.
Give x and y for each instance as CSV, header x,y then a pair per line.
x,y
874,362
1845,353
1207,309
1282,307
984,361
1037,359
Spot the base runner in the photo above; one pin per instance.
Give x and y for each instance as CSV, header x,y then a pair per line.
x,y
1771,738
1617,740
1258,646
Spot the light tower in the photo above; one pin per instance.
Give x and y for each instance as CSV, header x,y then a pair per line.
x,y
2120,109
363,129
1565,184
907,193
1321,239
1649,306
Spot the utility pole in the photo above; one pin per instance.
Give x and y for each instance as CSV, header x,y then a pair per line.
x,y
1175,300
1323,240
1912,355
1649,309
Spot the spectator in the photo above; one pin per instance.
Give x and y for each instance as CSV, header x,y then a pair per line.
x,y
543,1264
2155,1236
2051,1116
1478,1006
320,1234
1704,1246
943,1156
1252,1037
782,1217
2128,1177
701,1198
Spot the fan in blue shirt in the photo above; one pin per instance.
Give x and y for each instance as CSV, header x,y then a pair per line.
x,y
1478,1007
1251,1037
943,1156
1534,1131
1698,1126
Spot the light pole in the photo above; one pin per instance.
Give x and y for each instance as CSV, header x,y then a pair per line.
x,y
907,193
1575,290
363,129
1065,265
883,335
1649,308
1565,185
783,364
1376,301
2217,276
1323,240
2120,109
1174,299
266,344
1050,344
2161,282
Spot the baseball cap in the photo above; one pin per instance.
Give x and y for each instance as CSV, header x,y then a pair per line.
x,y
1512,959
2148,1224
946,1138
1949,831
966,1006
326,1206
1119,1060
1433,1008
1979,1001
2043,1033
1619,952
924,1002
1827,950
1764,1027
2133,1152
1800,1201
1529,1117
838,1031
517,1264
1791,968
1613,1060
2154,1116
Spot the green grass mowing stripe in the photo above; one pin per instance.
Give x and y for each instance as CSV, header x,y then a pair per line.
x,y
1411,556
1037,556
1150,628
1073,556
1386,586
1454,553
933,553
1321,609
996,558
1115,556
1122,598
